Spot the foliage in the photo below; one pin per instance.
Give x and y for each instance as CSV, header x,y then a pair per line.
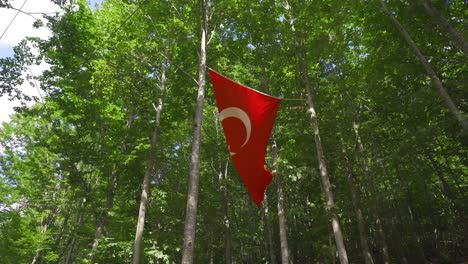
x,y
77,160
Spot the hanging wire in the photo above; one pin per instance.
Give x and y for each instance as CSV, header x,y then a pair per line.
x,y
12,20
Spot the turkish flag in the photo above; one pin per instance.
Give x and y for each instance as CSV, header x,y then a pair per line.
x,y
247,117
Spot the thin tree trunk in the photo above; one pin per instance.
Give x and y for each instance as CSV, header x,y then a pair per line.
x,y
448,190
455,178
102,218
415,233
73,240
227,223
45,225
411,222
375,200
149,170
87,191
70,251
279,188
454,35
271,246
451,194
137,247
399,237
192,197
58,238
381,235
281,214
224,198
459,116
340,246
356,205
101,221
36,256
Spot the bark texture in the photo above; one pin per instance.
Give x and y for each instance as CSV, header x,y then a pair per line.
x,y
355,194
338,234
149,170
281,214
279,188
192,198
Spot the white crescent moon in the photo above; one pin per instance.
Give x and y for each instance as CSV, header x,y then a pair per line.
x,y
242,116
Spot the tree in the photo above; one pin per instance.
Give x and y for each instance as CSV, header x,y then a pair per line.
x,y
149,167
192,197
72,164
459,116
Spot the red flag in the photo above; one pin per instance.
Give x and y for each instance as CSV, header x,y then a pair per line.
x,y
247,117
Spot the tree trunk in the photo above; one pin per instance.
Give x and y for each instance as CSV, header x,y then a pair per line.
x,y
397,236
279,187
281,215
192,198
451,194
454,35
44,227
400,234
381,235
411,223
374,201
455,178
70,251
356,205
227,223
72,242
58,239
271,246
422,257
102,218
340,246
459,116
446,186
224,197
149,170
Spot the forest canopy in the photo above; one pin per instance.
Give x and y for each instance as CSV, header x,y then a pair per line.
x,y
122,159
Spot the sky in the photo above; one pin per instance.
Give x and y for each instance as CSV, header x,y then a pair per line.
x,y
22,27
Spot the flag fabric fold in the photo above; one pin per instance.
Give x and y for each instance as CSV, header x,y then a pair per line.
x,y
247,117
